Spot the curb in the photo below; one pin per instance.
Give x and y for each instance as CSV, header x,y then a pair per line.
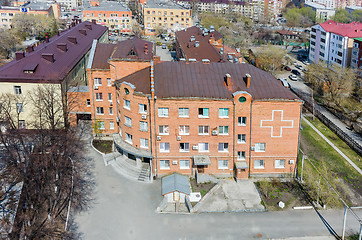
x,y
105,163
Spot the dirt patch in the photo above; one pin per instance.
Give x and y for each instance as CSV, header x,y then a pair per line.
x,y
274,191
104,146
203,188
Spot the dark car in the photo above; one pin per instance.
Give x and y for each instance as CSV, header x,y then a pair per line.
x,y
287,68
296,72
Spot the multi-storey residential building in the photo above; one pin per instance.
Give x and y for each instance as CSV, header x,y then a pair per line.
x,y
323,13
42,8
218,118
114,15
60,62
109,62
219,6
356,58
332,42
267,10
164,15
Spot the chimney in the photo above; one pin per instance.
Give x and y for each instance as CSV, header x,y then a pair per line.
x,y
197,44
247,80
19,55
73,24
58,33
152,81
94,21
227,80
83,32
89,26
48,56
72,39
146,48
30,49
62,46
46,38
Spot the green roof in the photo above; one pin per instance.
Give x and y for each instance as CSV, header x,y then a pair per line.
x,y
358,39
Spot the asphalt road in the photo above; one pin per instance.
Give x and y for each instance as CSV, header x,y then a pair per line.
x,y
126,210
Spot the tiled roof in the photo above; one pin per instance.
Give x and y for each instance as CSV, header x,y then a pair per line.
x,y
352,30
205,50
200,80
53,71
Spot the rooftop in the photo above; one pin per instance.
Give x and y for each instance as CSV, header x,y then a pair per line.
x,y
317,6
50,62
166,4
352,30
37,5
206,80
106,6
218,1
175,182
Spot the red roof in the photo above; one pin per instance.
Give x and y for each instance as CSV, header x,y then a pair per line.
x,y
352,30
51,62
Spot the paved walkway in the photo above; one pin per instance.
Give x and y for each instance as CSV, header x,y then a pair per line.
x,y
334,146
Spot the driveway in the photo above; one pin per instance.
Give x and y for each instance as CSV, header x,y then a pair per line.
x,y
126,210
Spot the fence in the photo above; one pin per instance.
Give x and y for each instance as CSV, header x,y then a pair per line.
x,y
345,137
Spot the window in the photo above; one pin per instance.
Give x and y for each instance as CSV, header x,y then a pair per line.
x,y
259,147
128,121
100,111
223,164
203,112
184,164
22,124
223,112
163,130
241,138
19,108
101,125
88,103
164,147
184,130
184,147
127,104
203,130
144,143
163,112
111,125
259,164
203,147
129,138
142,108
110,97
99,97
17,90
224,130
97,82
109,82
183,112
241,155
279,163
164,164
143,126
110,110
241,121
223,147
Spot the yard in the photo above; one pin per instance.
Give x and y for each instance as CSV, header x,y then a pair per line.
x,y
203,188
104,146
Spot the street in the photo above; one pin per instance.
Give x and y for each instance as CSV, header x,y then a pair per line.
x,y
126,210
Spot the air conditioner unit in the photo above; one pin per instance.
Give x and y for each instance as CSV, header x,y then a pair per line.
x,y
118,119
174,162
158,138
252,148
178,138
214,132
291,162
195,147
144,117
95,87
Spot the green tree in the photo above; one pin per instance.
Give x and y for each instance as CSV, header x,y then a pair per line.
x,y
269,58
8,42
342,16
356,15
304,17
216,20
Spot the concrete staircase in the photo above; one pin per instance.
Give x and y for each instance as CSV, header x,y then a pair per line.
x,y
127,167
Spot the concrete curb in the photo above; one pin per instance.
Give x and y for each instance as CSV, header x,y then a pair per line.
x,y
199,204
105,163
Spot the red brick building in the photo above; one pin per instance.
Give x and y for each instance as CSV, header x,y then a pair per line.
x,y
217,118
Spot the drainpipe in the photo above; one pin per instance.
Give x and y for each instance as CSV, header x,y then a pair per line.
x,y
251,114
234,133
115,91
300,126
152,81
150,124
94,107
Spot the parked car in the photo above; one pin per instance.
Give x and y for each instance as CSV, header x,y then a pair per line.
x,y
164,46
293,77
287,68
296,72
284,82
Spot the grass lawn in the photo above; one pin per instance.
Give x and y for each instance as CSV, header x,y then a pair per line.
x,y
319,150
104,146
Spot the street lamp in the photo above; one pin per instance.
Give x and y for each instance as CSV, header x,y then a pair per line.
x,y
71,194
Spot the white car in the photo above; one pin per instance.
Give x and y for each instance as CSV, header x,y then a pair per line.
x,y
284,82
293,77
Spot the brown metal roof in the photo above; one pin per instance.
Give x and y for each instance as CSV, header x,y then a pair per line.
x,y
102,54
205,50
137,45
53,71
200,80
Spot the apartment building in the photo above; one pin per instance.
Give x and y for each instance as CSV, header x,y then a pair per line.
x,y
41,8
323,13
332,42
267,10
356,58
217,118
113,15
60,61
109,62
164,15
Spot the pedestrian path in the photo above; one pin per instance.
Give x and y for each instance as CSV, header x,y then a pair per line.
x,y
334,146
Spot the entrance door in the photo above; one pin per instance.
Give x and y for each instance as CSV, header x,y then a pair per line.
x,y
201,169
176,196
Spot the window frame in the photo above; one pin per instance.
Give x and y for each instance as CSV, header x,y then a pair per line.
x,y
223,131
98,112
129,138
279,166
162,110
203,132
127,121
186,149
222,112
163,132
222,148
223,165
125,101
205,144
182,110
164,148
241,156
257,149
203,114
166,165
144,140
260,166
142,106
183,166
143,123
184,132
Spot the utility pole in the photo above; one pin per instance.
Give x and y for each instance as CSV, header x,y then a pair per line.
x,y
301,172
